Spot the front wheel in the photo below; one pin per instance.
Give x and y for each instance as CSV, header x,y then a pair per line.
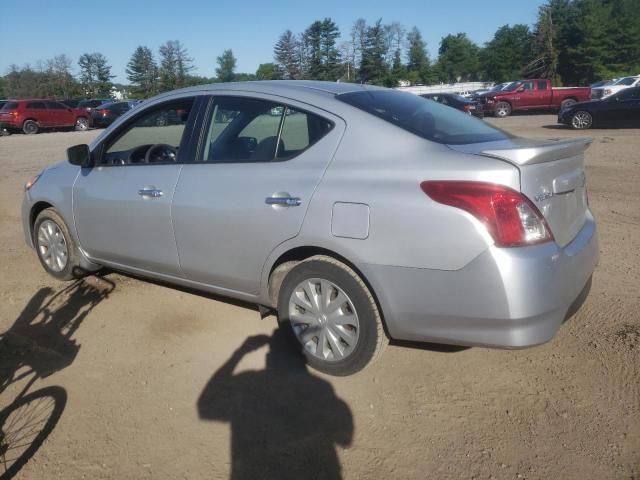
x,y
82,124
56,249
332,316
581,120
503,109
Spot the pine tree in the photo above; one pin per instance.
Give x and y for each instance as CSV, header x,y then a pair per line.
x,y
226,66
417,58
142,72
95,75
286,56
373,68
175,65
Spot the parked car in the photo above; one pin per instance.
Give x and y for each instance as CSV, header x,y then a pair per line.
x,y
370,212
619,110
456,101
534,94
106,114
615,87
602,83
89,105
31,116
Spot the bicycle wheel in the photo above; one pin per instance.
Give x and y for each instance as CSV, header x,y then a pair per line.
x,y
24,426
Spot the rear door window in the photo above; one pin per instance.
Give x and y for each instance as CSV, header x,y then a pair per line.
x,y
542,85
426,119
55,106
36,105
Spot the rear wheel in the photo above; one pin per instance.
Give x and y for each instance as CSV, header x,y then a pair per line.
x,y
56,249
82,124
331,315
30,127
581,120
503,109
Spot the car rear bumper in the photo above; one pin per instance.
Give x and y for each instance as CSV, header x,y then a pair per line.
x,y
506,297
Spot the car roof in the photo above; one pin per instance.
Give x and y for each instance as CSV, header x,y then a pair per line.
x,y
303,90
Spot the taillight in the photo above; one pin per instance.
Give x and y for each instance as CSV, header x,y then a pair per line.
x,y
105,112
510,217
467,108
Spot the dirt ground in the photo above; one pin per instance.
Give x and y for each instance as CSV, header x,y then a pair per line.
x,y
162,384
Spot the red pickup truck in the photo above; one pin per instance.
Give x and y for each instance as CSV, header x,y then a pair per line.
x,y
536,94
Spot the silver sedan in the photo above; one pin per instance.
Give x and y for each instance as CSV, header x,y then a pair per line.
x,y
357,214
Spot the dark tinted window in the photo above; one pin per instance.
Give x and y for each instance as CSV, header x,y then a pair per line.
x,y
36,105
630,94
10,106
56,106
542,85
429,120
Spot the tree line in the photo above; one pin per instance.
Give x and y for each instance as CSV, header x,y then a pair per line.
x,y
571,42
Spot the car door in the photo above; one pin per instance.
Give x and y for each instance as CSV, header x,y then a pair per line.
x,y
524,97
244,196
39,112
122,206
541,96
623,109
59,115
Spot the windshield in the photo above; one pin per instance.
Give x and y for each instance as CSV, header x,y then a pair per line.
x,y
511,87
426,119
626,81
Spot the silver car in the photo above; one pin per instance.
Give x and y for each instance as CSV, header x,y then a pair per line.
x,y
358,214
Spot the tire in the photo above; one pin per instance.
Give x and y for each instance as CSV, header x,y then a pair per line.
x,y
82,124
581,120
25,425
567,103
51,235
350,334
503,109
30,127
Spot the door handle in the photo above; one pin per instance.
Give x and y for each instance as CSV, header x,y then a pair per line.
x,y
150,192
284,201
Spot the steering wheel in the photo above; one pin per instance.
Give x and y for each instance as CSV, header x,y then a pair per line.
x,y
165,153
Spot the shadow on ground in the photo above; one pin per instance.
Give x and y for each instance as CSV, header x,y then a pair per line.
x,y
38,344
285,422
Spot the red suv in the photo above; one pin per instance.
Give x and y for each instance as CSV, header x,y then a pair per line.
x,y
31,116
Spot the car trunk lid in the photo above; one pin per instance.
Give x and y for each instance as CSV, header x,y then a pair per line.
x,y
552,176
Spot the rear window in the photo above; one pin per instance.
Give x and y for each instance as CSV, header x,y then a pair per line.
x,y
10,106
426,119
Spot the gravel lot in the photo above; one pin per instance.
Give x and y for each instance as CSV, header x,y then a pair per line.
x,y
152,392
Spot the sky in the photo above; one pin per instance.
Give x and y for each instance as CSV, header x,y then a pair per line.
x,y
41,29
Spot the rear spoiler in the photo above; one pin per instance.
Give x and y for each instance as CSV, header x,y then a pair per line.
x,y
544,151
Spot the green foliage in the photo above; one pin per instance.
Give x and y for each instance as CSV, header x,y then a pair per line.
x,y
286,56
142,72
268,71
373,68
458,59
321,57
175,65
95,75
226,66
504,57
418,64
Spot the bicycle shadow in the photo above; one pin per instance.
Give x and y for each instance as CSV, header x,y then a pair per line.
x,y
38,344
285,422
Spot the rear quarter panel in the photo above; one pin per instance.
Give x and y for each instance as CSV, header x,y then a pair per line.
x,y
381,166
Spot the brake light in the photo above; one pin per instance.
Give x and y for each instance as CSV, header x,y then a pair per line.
x,y
105,112
510,217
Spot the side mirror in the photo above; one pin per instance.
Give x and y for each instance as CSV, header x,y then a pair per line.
x,y
79,155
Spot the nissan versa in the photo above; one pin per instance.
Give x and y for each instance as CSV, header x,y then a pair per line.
x,y
359,214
